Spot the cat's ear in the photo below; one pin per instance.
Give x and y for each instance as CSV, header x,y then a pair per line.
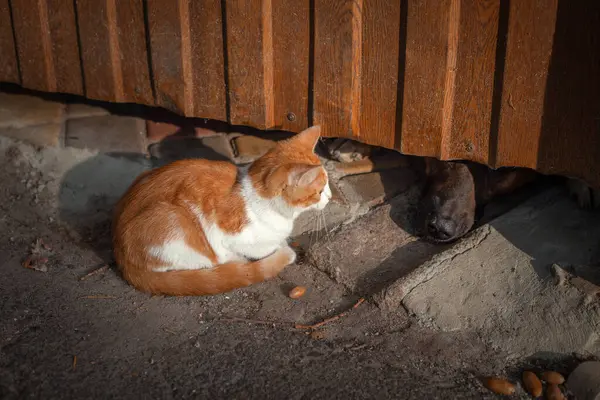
x,y
303,175
308,138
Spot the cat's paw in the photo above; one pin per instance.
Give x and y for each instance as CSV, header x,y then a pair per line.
x,y
586,197
276,262
287,254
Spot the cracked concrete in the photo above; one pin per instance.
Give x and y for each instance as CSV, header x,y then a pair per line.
x,y
497,282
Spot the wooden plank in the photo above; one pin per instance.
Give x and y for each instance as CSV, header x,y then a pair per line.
x,y
250,62
291,38
99,69
569,142
427,32
528,51
169,48
9,67
208,66
336,60
64,49
129,46
33,44
379,71
47,45
468,135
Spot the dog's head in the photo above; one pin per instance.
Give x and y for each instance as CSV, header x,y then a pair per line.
x,y
449,202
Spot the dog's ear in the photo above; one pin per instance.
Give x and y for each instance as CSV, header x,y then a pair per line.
x,y
431,166
509,180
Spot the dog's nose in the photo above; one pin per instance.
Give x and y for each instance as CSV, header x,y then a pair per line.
x,y
441,228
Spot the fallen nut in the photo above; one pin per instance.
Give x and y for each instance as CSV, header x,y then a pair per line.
x,y
297,292
499,386
553,393
553,378
532,384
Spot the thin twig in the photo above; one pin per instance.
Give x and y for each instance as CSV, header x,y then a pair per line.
x,y
251,321
98,296
94,272
331,319
74,362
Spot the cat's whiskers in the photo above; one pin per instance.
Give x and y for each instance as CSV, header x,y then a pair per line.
x,y
325,226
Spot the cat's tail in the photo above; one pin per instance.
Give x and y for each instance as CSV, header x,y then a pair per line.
x,y
219,279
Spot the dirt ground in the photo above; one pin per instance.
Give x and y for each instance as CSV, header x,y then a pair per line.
x,y
68,335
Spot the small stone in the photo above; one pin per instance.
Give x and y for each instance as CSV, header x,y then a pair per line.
x,y
584,381
560,275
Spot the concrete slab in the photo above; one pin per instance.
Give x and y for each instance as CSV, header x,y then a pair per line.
x,y
77,110
374,250
107,133
39,135
216,148
498,283
18,111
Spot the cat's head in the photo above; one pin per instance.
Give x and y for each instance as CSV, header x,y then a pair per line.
x,y
293,172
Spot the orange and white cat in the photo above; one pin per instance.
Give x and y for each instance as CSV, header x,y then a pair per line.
x,y
199,227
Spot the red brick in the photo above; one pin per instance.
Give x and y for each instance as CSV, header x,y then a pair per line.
x,y
157,131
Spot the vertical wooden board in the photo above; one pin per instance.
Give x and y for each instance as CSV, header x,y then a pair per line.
x,y
291,44
64,47
132,51
570,136
94,36
168,52
9,68
208,66
334,65
425,76
528,50
468,137
379,71
33,39
250,86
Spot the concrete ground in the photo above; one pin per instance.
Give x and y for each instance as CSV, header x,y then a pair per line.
x,y
435,319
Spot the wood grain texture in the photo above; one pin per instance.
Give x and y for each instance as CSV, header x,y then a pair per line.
x,y
335,62
468,131
96,54
9,68
250,62
569,142
425,76
168,46
63,47
207,59
379,71
34,44
291,39
129,50
528,50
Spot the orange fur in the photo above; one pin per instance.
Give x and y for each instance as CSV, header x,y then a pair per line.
x,y
159,200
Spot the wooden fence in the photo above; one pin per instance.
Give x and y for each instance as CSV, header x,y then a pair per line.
x,y
505,83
